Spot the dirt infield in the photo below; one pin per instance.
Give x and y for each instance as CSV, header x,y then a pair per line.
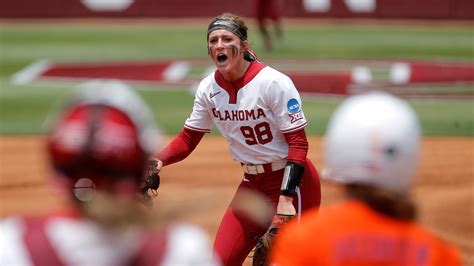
x,y
201,187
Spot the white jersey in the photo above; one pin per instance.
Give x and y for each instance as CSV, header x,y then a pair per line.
x,y
252,113
73,241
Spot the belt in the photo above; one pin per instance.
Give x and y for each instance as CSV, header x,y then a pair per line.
x,y
255,169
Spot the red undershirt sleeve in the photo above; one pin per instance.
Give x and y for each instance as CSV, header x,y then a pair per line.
x,y
297,146
180,147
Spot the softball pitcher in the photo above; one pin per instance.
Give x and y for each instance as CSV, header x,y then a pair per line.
x,y
259,111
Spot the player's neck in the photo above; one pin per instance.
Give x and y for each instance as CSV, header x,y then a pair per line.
x,y
237,72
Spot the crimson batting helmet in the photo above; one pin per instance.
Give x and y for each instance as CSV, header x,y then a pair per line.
x,y
373,139
104,134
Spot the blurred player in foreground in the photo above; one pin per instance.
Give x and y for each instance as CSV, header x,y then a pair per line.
x,y
258,110
267,13
372,146
97,147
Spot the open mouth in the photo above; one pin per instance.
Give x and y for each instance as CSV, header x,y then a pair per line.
x,y
221,58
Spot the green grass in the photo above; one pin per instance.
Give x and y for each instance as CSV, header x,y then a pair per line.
x,y
366,41
438,118
24,108
445,118
22,44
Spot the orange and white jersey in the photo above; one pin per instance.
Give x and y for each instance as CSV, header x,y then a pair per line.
x,y
352,234
252,113
62,240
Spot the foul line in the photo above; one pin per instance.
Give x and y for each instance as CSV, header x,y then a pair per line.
x,y
176,71
30,73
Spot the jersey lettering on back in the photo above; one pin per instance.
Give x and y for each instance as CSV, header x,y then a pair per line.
x,y
380,248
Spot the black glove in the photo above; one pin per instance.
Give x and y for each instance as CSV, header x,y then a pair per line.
x,y
264,244
150,186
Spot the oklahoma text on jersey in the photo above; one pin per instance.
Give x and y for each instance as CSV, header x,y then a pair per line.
x,y
238,115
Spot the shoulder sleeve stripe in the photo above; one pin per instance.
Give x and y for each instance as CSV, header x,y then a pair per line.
x,y
294,128
197,129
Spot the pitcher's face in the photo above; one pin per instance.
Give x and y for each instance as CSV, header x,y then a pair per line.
x,y
225,49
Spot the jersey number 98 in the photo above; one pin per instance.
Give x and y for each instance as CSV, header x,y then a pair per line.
x,y
260,134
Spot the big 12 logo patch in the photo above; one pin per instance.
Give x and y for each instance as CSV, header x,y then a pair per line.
x,y
294,109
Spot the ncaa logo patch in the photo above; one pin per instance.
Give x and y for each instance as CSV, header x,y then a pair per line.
x,y
293,106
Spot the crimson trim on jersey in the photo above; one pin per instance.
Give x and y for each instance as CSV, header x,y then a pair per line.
x,y
297,146
152,251
232,88
38,244
197,129
181,146
294,129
